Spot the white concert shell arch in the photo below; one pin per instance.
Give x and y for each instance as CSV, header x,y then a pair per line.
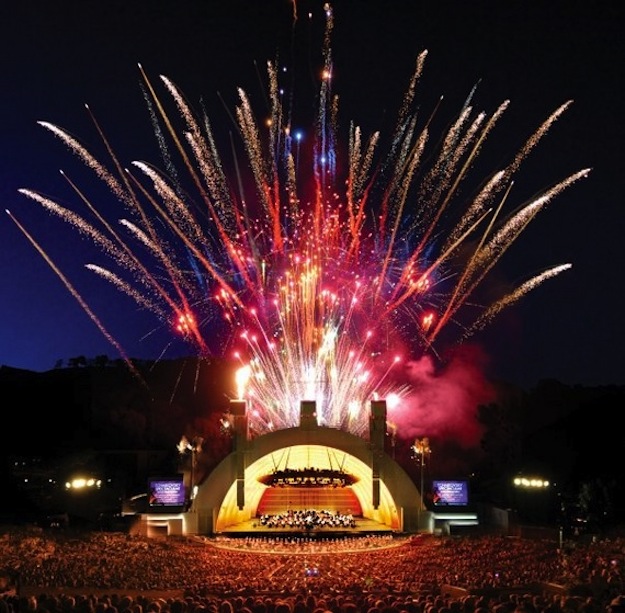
x,y
231,494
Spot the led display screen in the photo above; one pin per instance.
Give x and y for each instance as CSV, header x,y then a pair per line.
x,y
166,493
450,493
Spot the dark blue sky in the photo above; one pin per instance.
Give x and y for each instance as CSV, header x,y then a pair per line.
x,y
56,57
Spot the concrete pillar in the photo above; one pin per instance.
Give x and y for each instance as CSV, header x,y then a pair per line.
x,y
238,409
308,415
377,436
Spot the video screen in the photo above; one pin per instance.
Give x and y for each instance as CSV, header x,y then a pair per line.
x,y
450,493
166,493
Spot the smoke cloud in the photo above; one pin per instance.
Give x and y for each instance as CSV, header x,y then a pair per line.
x,y
443,401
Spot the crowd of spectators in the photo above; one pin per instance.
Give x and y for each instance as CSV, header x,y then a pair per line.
x,y
101,572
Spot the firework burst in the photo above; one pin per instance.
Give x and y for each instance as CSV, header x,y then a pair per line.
x,y
317,281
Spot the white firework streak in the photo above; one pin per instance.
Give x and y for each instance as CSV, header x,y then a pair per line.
x,y
537,136
513,296
477,207
517,223
83,226
177,209
486,257
89,161
120,284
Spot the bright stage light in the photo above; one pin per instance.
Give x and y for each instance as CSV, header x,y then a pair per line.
x,y
81,483
531,482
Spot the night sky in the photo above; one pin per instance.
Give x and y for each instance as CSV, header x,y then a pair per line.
x,y
58,56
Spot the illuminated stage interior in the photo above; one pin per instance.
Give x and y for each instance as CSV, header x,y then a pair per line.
x,y
305,463
277,500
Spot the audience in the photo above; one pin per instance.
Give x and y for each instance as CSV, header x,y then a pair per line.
x,y
102,572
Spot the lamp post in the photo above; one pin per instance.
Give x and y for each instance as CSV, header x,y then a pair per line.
x,y
421,449
193,446
533,498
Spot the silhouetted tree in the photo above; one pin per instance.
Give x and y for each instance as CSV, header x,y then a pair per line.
x,y
77,362
596,502
501,441
101,361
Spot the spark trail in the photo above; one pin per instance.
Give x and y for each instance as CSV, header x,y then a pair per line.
x,y
319,282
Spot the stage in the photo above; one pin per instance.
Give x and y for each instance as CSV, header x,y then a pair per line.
x,y
253,527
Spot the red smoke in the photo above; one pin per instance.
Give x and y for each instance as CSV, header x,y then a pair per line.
x,y
443,402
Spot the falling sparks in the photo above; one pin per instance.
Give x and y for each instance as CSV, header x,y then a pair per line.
x,y
316,281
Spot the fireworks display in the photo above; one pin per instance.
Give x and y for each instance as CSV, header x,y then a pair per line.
x,y
322,272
